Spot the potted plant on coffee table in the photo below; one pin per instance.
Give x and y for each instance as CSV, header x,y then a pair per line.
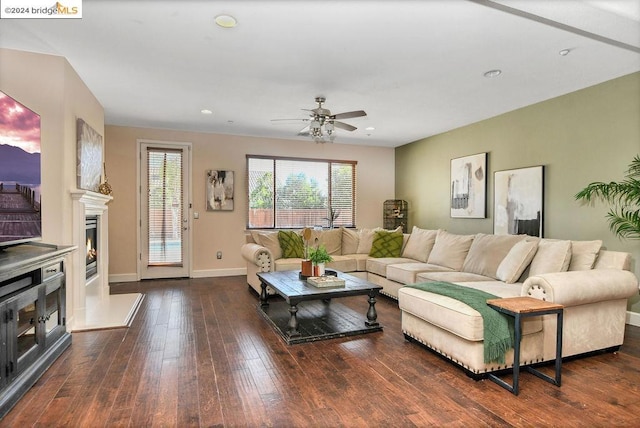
x,y
319,257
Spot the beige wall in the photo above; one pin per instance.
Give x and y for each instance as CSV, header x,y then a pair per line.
x,y
589,135
224,231
48,85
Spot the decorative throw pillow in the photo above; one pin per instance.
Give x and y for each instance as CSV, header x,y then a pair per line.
x,y
272,243
420,244
365,240
553,255
584,254
291,244
386,244
516,261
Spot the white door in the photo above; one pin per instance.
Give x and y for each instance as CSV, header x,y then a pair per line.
x,y
164,210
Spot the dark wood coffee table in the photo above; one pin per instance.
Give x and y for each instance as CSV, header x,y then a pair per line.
x,y
308,313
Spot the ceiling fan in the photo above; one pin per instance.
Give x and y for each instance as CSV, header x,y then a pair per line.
x,y
322,123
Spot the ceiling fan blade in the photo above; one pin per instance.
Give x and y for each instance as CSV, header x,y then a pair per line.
x,y
304,131
349,114
344,126
289,120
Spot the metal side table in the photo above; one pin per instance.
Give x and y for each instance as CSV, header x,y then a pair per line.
x,y
522,307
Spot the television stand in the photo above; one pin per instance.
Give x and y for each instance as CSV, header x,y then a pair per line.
x,y
33,330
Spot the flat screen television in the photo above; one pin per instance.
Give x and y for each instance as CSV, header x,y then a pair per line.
x,y
20,176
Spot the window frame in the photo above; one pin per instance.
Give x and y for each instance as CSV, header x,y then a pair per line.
x,y
275,159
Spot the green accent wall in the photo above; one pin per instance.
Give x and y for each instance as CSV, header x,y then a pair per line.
x,y
585,136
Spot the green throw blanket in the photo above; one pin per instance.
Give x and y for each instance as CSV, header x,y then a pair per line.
x,y
498,327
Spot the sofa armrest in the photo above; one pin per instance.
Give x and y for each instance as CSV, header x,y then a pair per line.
x,y
258,255
581,287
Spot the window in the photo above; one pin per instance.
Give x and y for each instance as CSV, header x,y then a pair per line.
x,y
292,193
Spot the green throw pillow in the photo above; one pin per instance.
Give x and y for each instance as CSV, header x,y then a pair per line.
x,y
386,244
291,244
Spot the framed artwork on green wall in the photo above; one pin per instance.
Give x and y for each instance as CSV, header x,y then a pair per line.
x,y
519,196
469,186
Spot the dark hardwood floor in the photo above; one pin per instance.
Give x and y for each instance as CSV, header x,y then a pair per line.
x,y
198,354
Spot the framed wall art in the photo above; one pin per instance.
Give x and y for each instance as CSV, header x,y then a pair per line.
x,y
89,159
219,187
519,196
469,186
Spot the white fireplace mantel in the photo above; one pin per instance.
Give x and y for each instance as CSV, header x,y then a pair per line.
x,y
87,203
93,306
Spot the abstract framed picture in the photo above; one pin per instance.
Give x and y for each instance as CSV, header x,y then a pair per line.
x,y
219,187
519,196
469,186
89,160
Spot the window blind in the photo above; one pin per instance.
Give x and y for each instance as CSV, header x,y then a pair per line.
x,y
294,193
165,195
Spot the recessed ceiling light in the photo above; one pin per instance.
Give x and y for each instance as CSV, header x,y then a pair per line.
x,y
564,52
493,73
369,128
226,21
206,111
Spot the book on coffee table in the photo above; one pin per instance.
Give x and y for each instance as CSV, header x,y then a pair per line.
x,y
325,281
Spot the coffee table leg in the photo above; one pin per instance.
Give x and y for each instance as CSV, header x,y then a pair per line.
x,y
293,322
372,315
263,295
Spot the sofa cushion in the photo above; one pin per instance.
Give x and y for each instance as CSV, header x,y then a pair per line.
x,y
290,244
553,255
287,264
516,261
365,240
349,241
486,253
584,254
450,250
455,316
343,264
406,273
420,244
386,244
453,276
331,239
379,265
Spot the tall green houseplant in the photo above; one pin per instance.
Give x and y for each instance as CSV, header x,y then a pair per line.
x,y
623,198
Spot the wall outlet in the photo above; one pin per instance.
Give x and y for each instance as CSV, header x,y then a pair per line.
x,y
219,255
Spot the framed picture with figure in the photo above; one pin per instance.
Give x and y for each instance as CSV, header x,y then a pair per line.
x,y
519,197
219,189
469,186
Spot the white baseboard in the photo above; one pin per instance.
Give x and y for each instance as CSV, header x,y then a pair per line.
x,y
123,277
218,272
633,318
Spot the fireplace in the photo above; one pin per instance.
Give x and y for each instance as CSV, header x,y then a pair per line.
x,y
91,228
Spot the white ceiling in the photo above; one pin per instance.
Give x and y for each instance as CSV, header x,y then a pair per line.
x,y
415,67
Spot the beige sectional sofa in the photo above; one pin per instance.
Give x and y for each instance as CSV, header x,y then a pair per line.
x,y
592,283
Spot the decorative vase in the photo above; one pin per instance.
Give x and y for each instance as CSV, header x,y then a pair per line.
x,y
318,270
307,268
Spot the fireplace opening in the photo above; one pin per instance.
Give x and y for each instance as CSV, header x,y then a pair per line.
x,y
91,227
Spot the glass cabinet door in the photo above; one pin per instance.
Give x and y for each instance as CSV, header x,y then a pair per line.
x,y
53,320
23,341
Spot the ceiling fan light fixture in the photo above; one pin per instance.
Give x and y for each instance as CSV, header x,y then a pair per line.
x,y
492,73
226,21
